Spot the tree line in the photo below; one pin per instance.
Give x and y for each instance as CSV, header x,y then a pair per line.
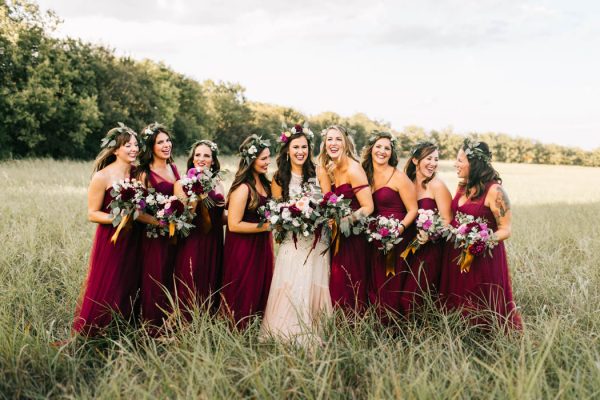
x,y
59,96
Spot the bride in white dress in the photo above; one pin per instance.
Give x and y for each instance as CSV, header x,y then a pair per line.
x,y
299,295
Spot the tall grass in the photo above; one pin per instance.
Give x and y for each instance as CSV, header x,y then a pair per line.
x,y
45,241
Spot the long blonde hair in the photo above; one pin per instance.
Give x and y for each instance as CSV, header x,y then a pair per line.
x,y
327,162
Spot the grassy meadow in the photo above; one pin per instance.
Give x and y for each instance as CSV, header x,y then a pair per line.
x,y
554,258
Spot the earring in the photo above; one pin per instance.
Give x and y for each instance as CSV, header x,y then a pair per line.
x,y
287,156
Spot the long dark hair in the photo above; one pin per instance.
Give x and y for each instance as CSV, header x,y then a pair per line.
x,y
421,151
216,165
367,156
114,138
284,165
244,174
481,171
146,157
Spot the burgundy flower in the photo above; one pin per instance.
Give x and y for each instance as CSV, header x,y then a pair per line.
x,y
197,188
177,207
217,197
295,210
372,225
298,128
127,194
477,248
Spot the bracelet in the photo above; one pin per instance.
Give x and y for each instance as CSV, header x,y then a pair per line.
x,y
403,227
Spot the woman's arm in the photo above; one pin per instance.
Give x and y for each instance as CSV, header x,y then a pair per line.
x,y
443,200
408,195
276,190
500,205
358,177
96,193
324,181
237,205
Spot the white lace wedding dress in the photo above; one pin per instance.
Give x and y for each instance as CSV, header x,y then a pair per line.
x,y
299,295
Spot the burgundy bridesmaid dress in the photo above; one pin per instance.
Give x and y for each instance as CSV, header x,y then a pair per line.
x,y
422,269
486,287
157,259
348,279
199,263
247,271
113,278
385,290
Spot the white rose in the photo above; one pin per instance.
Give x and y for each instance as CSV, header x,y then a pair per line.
x,y
252,150
274,219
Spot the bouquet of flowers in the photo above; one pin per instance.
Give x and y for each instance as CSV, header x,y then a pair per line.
x,y
300,215
474,237
430,223
199,184
129,199
384,232
335,208
173,216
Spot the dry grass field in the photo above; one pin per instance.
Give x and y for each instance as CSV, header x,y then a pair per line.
x,y
45,240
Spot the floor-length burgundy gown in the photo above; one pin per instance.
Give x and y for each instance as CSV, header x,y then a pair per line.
x,y
486,288
157,257
247,271
422,273
113,278
348,279
199,261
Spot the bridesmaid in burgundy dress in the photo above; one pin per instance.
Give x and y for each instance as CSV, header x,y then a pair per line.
x,y
486,287
248,259
156,170
393,196
113,276
339,165
199,260
424,267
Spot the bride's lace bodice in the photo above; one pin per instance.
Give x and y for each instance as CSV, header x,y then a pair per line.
x,y
295,185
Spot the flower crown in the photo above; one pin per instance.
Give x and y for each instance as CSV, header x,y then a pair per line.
x,y
286,135
253,148
211,145
472,150
349,131
110,139
150,130
376,135
421,144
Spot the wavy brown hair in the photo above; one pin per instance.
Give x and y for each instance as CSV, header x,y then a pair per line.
x,y
367,156
421,151
216,165
325,161
481,172
283,175
244,175
146,156
107,154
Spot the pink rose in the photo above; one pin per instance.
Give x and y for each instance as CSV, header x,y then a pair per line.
x,y
384,232
427,224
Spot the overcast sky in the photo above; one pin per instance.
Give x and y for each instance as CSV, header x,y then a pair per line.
x,y
525,68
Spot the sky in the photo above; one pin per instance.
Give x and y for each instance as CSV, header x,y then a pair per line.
x,y
525,68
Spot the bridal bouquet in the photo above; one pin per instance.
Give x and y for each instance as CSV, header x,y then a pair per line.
x,y
300,215
129,199
474,237
430,223
173,216
335,210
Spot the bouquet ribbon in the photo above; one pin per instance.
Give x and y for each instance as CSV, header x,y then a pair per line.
x,y
390,265
122,224
205,217
410,249
335,237
171,229
465,260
